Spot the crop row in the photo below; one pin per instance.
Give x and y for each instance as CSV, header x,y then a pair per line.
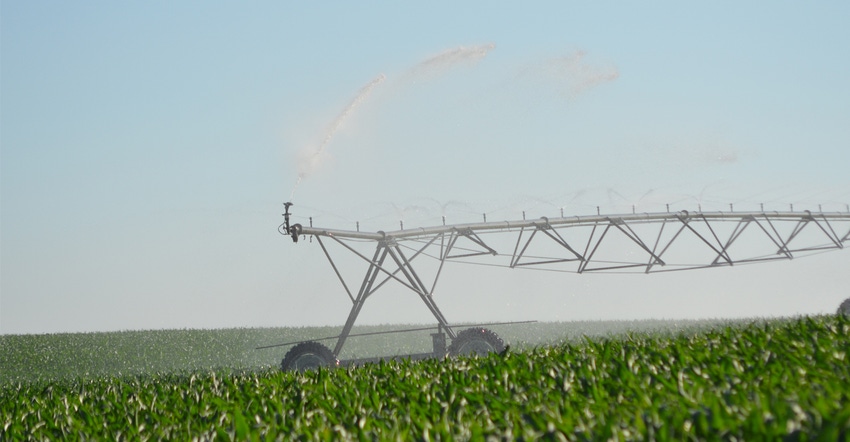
x,y
767,380
68,356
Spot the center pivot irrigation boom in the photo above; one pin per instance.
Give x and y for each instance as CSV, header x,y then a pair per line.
x,y
635,243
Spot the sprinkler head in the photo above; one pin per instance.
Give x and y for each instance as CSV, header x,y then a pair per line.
x,y
290,230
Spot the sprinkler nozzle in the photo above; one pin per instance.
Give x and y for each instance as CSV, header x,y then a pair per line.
x,y
289,229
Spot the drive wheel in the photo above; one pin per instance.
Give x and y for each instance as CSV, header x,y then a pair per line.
x,y
844,308
308,356
476,341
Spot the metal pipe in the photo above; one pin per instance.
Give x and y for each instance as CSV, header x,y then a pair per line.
x,y
587,220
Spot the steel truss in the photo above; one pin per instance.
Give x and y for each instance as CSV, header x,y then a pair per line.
x,y
574,244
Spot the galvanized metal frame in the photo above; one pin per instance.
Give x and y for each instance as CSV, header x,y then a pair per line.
x,y
400,269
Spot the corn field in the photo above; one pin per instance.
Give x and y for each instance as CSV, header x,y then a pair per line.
x,y
785,379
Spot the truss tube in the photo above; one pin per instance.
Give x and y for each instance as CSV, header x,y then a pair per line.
x,y
516,256
338,275
444,252
815,248
687,225
589,240
722,251
708,266
831,234
411,275
411,259
670,243
381,268
552,235
403,266
797,229
655,246
559,239
477,239
354,251
365,288
634,237
469,234
545,261
583,266
778,240
516,247
445,249
624,266
732,237
575,220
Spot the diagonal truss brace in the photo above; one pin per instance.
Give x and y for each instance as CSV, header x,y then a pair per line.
x,y
550,232
620,224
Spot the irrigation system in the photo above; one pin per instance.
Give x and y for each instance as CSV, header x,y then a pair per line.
x,y
632,242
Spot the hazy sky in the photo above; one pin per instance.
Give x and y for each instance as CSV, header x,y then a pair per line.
x,y
147,149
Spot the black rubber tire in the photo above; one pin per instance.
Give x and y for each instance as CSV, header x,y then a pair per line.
x,y
476,341
844,308
308,356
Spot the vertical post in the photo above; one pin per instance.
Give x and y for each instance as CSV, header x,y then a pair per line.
x,y
286,206
439,340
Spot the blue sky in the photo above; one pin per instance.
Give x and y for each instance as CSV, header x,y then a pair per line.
x,y
147,150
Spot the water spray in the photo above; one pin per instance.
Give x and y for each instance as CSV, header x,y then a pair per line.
x,y
310,159
446,59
